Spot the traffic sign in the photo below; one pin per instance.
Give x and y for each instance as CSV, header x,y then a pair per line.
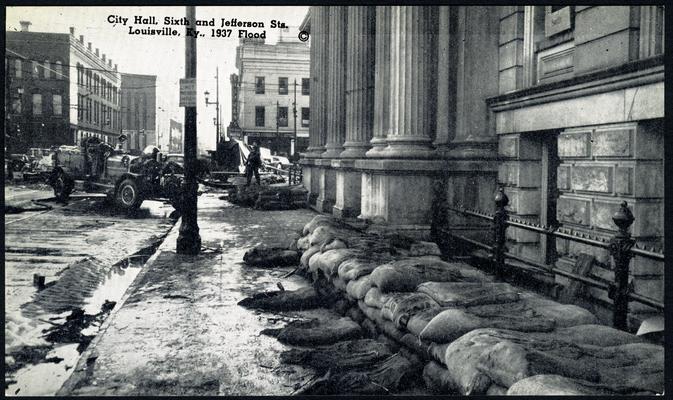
x,y
188,92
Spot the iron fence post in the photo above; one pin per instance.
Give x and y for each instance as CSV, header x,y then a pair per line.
x,y
620,249
499,231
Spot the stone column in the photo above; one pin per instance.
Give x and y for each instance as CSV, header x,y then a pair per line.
x,y
319,53
381,81
360,83
413,92
336,90
446,79
359,109
478,32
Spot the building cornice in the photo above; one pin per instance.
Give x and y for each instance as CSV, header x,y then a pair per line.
x,y
636,73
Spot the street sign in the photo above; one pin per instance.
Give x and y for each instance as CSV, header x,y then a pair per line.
x,y
188,92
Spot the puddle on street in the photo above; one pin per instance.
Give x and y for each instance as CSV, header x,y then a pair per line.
x,y
68,333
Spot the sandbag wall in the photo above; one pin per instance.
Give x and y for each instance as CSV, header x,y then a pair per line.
x,y
476,335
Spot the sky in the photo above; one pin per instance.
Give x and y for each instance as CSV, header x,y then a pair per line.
x,y
163,56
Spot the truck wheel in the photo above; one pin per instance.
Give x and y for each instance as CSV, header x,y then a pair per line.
x,y
62,187
128,195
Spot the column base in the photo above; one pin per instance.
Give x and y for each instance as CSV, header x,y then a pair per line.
x,y
332,152
354,150
326,188
418,147
348,189
469,150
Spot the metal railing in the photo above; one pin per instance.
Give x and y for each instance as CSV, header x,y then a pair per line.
x,y
621,247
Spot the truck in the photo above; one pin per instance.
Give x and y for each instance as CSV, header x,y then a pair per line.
x,y
127,180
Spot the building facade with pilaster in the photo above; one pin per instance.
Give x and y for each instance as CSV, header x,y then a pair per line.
x,y
138,108
561,106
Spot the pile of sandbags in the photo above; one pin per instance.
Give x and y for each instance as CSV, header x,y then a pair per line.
x,y
486,356
271,257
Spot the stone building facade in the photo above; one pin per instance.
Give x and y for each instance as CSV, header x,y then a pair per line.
x,y
562,106
138,107
58,90
263,93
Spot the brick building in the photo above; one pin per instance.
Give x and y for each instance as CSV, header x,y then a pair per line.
x,y
138,110
562,106
262,107
58,90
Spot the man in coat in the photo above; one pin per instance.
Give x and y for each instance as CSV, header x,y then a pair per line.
x,y
252,164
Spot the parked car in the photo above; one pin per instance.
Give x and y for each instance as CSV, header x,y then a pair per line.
x,y
127,180
280,162
204,163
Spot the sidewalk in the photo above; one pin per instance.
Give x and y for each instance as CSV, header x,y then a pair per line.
x,y
179,331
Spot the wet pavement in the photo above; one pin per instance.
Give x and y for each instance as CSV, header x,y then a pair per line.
x,y
88,254
180,330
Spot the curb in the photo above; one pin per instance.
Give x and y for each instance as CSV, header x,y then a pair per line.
x,y
80,370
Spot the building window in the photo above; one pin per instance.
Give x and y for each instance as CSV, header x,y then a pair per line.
x,y
259,116
16,104
305,86
80,111
282,85
259,85
47,69
36,69
557,19
18,65
305,116
58,71
37,104
88,110
57,104
282,116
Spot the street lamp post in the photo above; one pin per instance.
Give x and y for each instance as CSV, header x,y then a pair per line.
x,y
189,240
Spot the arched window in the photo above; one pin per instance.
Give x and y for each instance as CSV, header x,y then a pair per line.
x,y
47,69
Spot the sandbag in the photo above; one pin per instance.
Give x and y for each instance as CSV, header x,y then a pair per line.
x,y
270,257
284,300
374,298
358,288
422,248
557,385
354,268
420,348
339,284
461,359
323,234
452,323
339,356
328,262
308,254
598,335
317,221
419,320
372,313
400,306
355,314
316,332
303,243
333,244
529,305
452,294
405,274
511,356
438,351
437,379
387,376
496,390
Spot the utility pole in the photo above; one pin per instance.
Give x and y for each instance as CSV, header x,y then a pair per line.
x,y
293,143
189,241
217,105
277,119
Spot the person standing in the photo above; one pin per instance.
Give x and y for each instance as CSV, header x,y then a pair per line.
x,y
252,164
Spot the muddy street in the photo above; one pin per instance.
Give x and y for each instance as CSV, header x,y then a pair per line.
x,y
65,268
